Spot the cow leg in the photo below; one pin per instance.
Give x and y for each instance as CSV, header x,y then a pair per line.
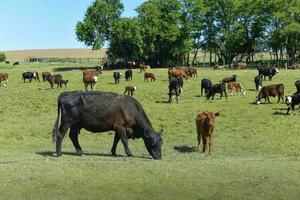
x,y
199,141
114,147
64,126
278,98
268,98
74,138
124,139
204,141
210,142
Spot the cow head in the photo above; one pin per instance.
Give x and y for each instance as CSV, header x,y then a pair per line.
x,y
257,100
210,118
153,143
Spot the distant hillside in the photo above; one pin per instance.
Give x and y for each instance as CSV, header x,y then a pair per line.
x,y
57,53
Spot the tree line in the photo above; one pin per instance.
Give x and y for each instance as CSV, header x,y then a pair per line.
x,y
167,32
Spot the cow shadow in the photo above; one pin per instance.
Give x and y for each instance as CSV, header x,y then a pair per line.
x,y
253,90
53,154
162,102
279,113
185,149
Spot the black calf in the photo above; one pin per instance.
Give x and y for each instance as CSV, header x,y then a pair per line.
x,y
205,84
217,88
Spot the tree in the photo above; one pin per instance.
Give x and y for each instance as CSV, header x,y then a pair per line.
x,y
98,23
2,57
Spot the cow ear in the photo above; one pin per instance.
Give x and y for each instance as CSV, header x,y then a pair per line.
x,y
217,114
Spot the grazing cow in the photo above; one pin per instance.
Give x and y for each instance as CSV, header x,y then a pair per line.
x,y
258,82
90,77
16,63
101,112
271,90
269,71
45,75
131,64
144,67
128,75
64,82
7,62
192,71
130,90
239,89
55,79
150,75
177,73
205,84
175,88
4,77
217,88
297,84
117,76
205,123
229,79
292,101
30,75
240,65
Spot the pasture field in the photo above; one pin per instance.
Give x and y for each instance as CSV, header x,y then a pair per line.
x,y
256,152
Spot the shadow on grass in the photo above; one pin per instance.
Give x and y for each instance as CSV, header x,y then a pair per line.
x,y
251,90
279,113
185,149
53,154
162,102
65,69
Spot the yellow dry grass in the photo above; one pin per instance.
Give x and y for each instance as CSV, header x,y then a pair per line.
x,y
57,53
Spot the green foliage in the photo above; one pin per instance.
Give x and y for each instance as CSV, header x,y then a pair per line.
x,y
2,57
166,31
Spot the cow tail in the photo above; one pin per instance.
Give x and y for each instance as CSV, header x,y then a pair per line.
x,y
55,131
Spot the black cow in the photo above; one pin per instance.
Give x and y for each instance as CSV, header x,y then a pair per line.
x,y
268,71
271,90
64,82
297,84
205,84
55,79
16,63
117,76
175,88
229,79
292,101
258,82
101,112
217,88
128,75
30,76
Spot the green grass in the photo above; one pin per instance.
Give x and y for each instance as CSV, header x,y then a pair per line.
x,y
255,156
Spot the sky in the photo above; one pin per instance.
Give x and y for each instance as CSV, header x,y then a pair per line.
x,y
45,24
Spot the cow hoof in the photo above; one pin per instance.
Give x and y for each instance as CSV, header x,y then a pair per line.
x,y
56,155
130,155
80,152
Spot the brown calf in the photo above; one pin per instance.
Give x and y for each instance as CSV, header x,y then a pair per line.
x,y
143,67
239,89
177,73
45,75
130,90
205,123
90,77
3,77
148,75
240,65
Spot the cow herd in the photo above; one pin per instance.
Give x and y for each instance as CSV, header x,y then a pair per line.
x,y
104,111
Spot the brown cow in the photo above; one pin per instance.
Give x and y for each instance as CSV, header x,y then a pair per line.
x,y
90,77
150,75
205,123
4,77
239,89
45,75
130,90
240,65
143,67
177,73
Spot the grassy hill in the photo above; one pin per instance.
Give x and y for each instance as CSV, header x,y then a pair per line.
x,y
255,156
58,53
